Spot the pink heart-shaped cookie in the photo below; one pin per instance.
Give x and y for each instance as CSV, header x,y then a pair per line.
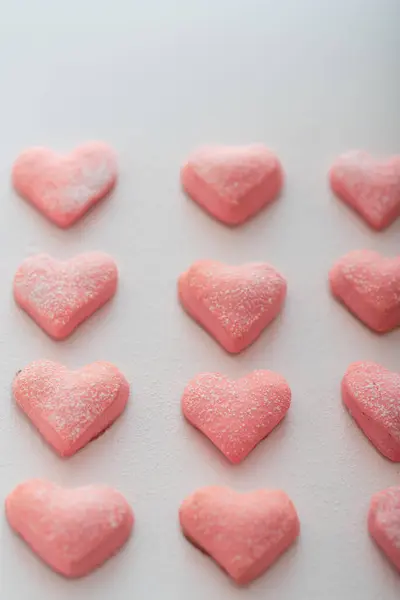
x,y
372,396
70,408
72,530
384,522
63,188
369,285
369,186
236,415
59,295
243,533
232,182
234,304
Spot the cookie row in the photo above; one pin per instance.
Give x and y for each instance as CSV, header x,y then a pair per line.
x,y
232,183
76,530
233,303
71,408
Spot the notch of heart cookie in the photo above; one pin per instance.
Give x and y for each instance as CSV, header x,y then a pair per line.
x,y
233,303
368,284
70,408
59,295
232,183
64,188
244,533
236,415
74,531
369,186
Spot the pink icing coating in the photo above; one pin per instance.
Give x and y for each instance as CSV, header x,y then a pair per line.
x,y
63,188
369,285
60,295
369,186
233,303
236,415
70,408
232,183
384,522
243,533
372,396
72,530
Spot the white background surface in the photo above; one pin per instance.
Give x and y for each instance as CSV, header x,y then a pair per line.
x,y
155,79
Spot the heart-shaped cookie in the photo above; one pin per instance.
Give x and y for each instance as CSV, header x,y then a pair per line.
x,y
72,530
372,396
59,295
234,304
70,408
384,522
236,415
369,285
369,186
243,533
63,188
232,182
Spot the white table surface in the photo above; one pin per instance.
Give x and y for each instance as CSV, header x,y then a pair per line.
x,y
310,78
